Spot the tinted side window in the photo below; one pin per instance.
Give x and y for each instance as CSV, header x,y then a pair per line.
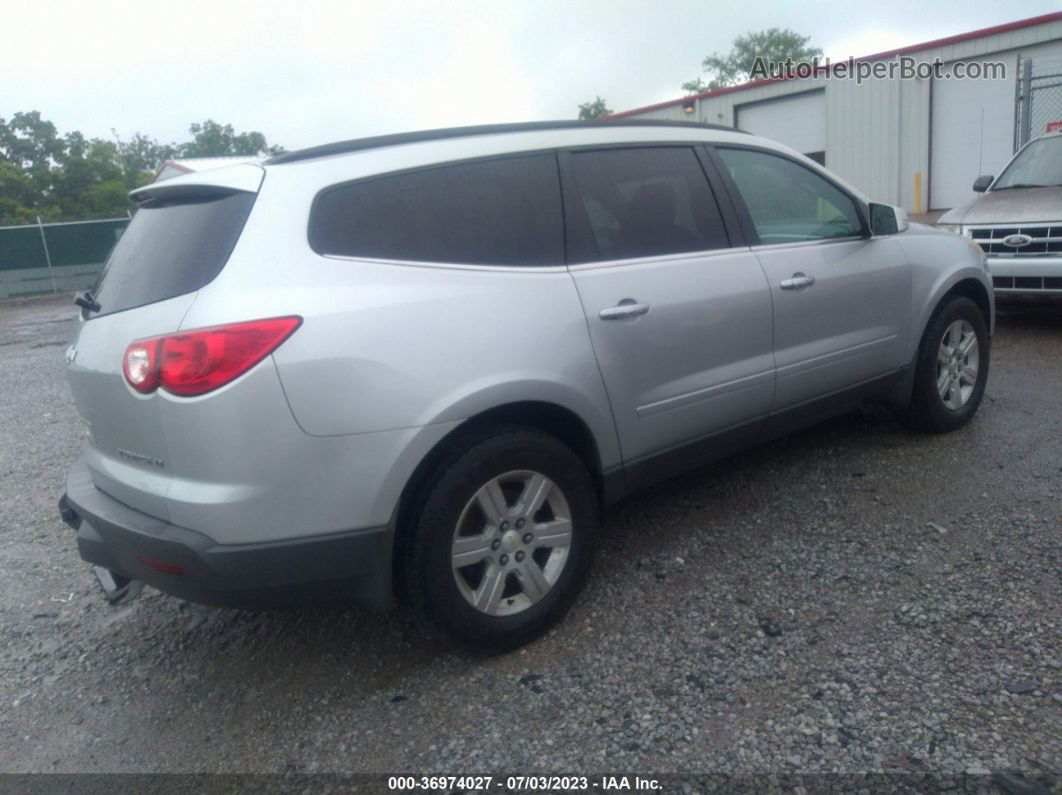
x,y
789,202
644,202
171,248
494,212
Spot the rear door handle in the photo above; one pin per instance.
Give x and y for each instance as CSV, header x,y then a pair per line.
x,y
628,307
799,280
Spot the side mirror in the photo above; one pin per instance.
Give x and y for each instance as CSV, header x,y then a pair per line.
x,y
888,220
982,182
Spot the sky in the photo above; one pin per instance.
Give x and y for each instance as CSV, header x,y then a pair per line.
x,y
305,72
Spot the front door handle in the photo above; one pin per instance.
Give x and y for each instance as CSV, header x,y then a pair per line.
x,y
628,307
798,281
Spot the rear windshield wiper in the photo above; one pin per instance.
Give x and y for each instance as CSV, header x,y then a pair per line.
x,y
87,301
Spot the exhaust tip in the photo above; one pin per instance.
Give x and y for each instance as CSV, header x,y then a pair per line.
x,y
67,513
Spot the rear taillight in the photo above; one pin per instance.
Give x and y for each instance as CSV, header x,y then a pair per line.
x,y
141,365
195,362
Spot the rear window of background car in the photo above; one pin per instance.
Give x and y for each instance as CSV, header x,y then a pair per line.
x,y
489,212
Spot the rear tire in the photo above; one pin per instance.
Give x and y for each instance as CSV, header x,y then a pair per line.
x,y
501,539
951,368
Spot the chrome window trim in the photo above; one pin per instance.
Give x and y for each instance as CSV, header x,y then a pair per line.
x,y
807,243
448,265
661,258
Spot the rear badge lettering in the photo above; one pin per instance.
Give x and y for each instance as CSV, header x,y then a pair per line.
x,y
138,458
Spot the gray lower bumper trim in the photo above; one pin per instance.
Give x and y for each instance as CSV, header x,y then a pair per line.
x,y
339,567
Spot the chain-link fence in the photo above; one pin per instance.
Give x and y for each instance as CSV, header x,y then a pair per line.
x,y
1039,98
43,258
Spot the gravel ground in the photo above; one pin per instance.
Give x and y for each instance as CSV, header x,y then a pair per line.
x,y
854,598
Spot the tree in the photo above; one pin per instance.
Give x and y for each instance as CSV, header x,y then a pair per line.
x,y
772,45
140,156
89,181
211,139
74,178
588,111
17,196
32,144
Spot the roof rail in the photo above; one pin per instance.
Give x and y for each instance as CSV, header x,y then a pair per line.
x,y
375,142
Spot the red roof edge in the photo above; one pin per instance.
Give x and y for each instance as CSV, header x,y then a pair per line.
x,y
878,56
172,163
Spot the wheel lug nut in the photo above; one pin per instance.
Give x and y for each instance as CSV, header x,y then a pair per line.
x,y
519,556
503,560
504,526
495,545
519,524
528,538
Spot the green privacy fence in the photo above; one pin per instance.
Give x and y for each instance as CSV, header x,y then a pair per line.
x,y
55,257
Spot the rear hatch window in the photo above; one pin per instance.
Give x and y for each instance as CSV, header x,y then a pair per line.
x,y
172,246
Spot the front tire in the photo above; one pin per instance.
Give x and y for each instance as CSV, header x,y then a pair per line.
x,y
501,539
951,369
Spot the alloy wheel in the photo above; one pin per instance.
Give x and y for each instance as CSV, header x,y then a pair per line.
x,y
958,361
511,542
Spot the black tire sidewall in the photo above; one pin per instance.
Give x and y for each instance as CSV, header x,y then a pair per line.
x,y
929,408
433,591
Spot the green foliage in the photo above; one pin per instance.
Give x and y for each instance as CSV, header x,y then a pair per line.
x,y
211,139
142,155
32,144
73,178
593,110
773,44
697,86
17,195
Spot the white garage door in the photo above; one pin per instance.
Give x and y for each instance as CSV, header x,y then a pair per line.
x,y
798,122
973,134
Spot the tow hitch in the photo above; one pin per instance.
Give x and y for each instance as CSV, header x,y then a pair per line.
x,y
117,588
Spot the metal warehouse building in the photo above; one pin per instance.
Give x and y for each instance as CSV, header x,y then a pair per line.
x,y
919,143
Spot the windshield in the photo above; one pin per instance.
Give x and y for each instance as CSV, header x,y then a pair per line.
x,y
1039,165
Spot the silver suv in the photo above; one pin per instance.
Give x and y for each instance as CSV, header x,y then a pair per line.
x,y
417,365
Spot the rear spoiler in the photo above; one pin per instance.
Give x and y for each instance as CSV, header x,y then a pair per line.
x,y
243,177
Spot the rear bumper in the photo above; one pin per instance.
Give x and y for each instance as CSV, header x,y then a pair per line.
x,y
352,566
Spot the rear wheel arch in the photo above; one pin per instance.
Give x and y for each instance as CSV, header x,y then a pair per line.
x,y
557,421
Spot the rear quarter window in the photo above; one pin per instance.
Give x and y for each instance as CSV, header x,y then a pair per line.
x,y
489,212
171,248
